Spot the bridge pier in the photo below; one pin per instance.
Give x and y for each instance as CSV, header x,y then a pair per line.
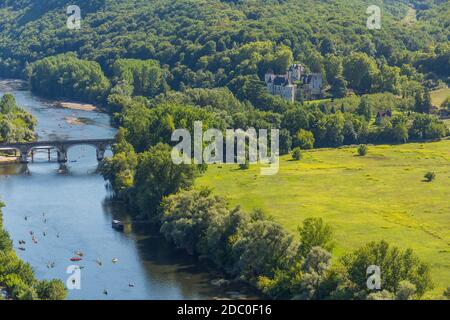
x,y
100,153
24,157
62,156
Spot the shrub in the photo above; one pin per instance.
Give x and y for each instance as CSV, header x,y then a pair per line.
x,y
244,166
406,290
297,154
430,176
447,293
381,295
362,150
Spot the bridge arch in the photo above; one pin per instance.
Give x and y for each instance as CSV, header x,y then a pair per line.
x,y
48,148
100,148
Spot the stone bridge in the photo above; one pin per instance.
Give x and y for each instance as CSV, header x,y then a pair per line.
x,y
61,147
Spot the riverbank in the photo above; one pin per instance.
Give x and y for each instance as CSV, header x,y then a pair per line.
x,y
17,84
8,159
76,106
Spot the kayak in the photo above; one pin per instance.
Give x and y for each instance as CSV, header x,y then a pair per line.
x,y
75,259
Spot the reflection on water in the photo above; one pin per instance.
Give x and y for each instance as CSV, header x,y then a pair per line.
x,y
59,210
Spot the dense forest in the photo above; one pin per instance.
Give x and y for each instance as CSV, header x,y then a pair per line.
x,y
152,49
211,43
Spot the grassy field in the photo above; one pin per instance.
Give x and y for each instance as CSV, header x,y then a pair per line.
x,y
439,96
379,196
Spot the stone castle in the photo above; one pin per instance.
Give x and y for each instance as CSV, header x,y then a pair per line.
x,y
287,85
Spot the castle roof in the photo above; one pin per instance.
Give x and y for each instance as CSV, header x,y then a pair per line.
x,y
280,81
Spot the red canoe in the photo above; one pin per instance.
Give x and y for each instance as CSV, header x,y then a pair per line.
x,y
75,259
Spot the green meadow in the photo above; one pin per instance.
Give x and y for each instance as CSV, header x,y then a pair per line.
x,y
439,96
382,195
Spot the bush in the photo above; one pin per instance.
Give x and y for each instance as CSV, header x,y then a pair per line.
x,y
430,176
447,293
362,150
406,290
381,295
244,166
297,154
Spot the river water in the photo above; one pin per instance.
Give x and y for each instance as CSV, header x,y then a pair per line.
x,y
68,210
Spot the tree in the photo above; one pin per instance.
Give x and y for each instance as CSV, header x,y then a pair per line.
x,y
390,79
365,108
282,59
51,290
220,237
304,139
263,247
395,264
314,233
317,263
362,150
157,176
427,104
430,176
120,169
419,102
426,126
285,141
145,76
339,87
361,72
16,125
187,215
7,104
399,132
297,153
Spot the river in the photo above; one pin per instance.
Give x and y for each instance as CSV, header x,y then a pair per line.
x,y
68,210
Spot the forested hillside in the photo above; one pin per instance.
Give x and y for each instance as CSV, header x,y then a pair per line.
x,y
210,43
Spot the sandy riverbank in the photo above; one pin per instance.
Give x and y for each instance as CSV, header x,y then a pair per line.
x,y
76,106
8,159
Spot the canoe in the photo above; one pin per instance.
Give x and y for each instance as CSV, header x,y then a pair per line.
x,y
75,259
